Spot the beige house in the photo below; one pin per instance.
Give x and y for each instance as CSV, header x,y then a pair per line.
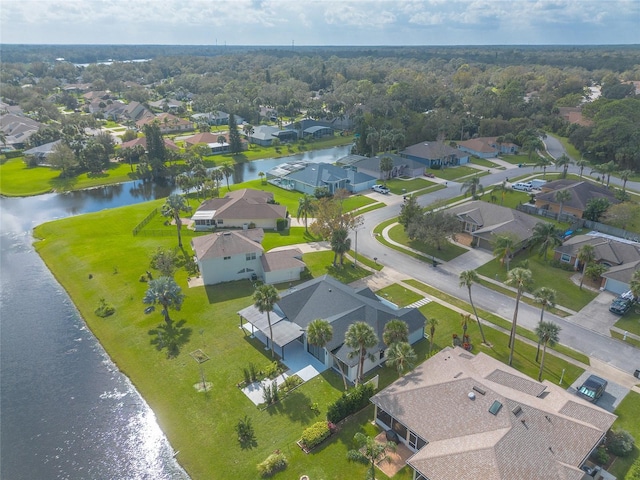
x,y
469,417
581,193
238,209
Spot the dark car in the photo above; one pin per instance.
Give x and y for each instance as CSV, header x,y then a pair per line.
x,y
592,388
621,305
429,175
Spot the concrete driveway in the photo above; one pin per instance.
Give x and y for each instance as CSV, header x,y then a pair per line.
x,y
610,399
596,315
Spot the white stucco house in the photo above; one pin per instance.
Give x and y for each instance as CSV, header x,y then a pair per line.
x,y
232,255
239,209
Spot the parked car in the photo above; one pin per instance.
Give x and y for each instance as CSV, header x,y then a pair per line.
x,y
429,175
522,186
592,388
621,305
380,189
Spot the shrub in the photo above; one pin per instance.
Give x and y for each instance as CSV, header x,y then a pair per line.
x,y
247,376
315,434
281,224
620,442
290,383
349,403
253,373
245,432
272,370
274,463
104,309
600,456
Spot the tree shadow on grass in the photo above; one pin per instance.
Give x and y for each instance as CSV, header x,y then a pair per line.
x,y
296,406
61,183
229,291
171,337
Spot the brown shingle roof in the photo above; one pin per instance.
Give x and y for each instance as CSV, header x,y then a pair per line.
x,y
549,438
244,204
581,193
282,260
227,243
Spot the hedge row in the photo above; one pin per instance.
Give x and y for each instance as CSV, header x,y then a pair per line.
x,y
273,464
315,434
350,402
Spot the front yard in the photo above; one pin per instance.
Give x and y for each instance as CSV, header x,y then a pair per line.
x,y
448,250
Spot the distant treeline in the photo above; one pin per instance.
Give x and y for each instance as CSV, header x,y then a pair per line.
x,y
616,58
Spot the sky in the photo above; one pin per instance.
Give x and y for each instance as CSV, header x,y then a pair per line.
x,y
321,22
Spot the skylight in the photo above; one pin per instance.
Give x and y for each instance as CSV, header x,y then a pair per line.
x,y
495,407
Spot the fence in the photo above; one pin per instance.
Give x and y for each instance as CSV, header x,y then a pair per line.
x,y
184,232
543,212
146,220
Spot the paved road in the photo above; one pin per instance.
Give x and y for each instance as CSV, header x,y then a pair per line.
x,y
574,335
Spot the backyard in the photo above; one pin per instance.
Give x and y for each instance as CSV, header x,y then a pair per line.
x,y
448,250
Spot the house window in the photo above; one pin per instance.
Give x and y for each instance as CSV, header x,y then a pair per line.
x,y
400,429
566,258
220,222
384,417
250,256
227,258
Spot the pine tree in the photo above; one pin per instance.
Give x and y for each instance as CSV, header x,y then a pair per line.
x,y
235,144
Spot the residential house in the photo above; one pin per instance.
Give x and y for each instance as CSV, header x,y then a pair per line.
x,y
340,305
94,95
317,131
263,135
487,147
212,140
40,153
213,118
622,257
167,105
435,154
17,129
238,209
142,141
167,123
306,177
402,167
485,221
469,417
228,256
581,193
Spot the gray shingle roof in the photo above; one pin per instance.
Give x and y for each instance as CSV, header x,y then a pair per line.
x,y
606,249
320,174
244,204
226,243
581,193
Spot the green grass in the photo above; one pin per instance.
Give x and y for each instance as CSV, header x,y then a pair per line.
x,y
520,158
448,251
568,294
629,340
433,188
453,173
628,414
630,321
484,162
492,318
399,295
18,180
356,201
371,208
293,236
321,263
449,322
397,185
366,261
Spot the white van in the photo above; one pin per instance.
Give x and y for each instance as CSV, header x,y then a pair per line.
x,y
522,186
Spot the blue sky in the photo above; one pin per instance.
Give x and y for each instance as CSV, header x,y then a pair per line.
x,y
321,22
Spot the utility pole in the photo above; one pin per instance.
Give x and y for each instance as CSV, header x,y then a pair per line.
x,y
355,258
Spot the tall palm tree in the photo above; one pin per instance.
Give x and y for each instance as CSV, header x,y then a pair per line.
x,y
319,333
340,244
472,186
433,323
264,299
227,171
306,207
503,248
467,279
386,167
548,334
605,169
360,336
401,356
173,206
562,197
635,284
624,176
564,161
533,144
166,292
586,254
261,175
503,189
395,331
543,163
546,235
217,176
546,297
581,164
521,279
369,452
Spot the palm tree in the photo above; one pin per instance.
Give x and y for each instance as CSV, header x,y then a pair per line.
x,y
503,189
467,279
586,254
521,279
306,206
340,244
562,197
386,167
564,161
248,130
533,144
472,186
624,176
401,356
605,169
221,139
369,452
217,176
433,323
395,331
581,164
548,334
166,292
264,299
227,171
547,235
173,206
543,163
319,333
360,336
635,284
503,248
546,297
261,175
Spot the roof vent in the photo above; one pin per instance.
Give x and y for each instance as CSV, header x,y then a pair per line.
x,y
517,410
495,407
472,396
457,375
479,390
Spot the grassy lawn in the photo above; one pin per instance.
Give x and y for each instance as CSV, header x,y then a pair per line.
x,y
630,321
399,295
448,251
517,159
356,201
484,162
524,354
293,236
453,173
370,208
366,261
568,294
396,185
628,414
433,188
492,318
321,263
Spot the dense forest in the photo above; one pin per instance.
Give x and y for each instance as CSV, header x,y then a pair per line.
x,y
393,96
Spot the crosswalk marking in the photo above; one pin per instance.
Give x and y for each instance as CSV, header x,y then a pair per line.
x,y
419,303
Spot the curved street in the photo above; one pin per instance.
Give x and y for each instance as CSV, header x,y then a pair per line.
x,y
596,345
